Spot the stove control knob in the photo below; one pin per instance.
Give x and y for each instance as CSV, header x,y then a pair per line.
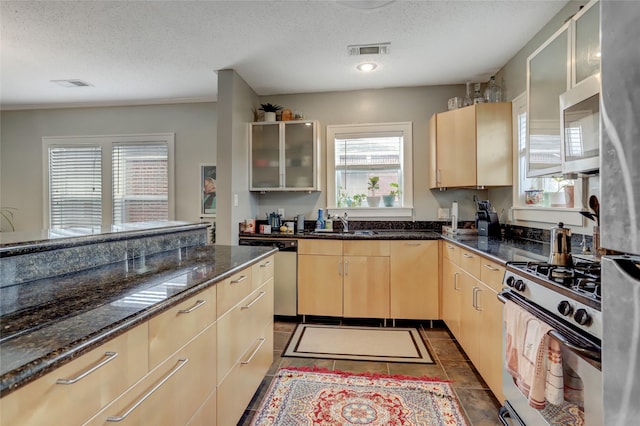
x,y
510,281
519,285
565,308
582,317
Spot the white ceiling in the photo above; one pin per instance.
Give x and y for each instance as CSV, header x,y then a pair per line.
x,y
137,52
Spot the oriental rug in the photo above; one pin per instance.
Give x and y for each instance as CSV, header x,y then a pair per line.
x,y
385,344
304,396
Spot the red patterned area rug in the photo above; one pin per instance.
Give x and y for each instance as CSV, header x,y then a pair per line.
x,y
303,396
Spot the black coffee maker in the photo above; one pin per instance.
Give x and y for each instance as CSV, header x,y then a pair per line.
x,y
487,221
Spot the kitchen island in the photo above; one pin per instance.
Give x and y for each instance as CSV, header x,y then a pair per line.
x,y
49,320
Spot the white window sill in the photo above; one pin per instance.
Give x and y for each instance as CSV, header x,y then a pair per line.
x,y
373,212
568,216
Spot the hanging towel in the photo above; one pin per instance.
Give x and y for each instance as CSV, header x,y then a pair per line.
x,y
532,357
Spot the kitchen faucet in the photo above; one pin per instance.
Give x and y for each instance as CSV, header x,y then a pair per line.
x,y
345,222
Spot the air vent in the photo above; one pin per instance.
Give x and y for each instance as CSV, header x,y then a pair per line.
x,y
369,49
72,83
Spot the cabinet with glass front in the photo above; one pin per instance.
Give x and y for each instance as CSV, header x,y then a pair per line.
x,y
284,156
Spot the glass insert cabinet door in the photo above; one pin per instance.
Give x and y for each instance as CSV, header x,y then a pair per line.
x,y
548,77
587,43
265,155
299,155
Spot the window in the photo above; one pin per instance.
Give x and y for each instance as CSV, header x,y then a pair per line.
x,y
356,156
138,167
554,207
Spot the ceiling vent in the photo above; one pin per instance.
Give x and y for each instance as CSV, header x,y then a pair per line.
x,y
72,83
369,49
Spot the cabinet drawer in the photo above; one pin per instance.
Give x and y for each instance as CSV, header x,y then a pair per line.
x,y
206,414
232,290
113,367
236,390
170,330
323,247
366,248
262,271
492,274
451,251
171,393
239,327
470,262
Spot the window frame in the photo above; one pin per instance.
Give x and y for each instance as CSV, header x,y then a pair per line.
x,y
525,213
405,209
106,143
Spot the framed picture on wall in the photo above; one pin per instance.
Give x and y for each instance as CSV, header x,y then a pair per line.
x,y
208,190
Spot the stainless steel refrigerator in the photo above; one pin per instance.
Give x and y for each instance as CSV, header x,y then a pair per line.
x,y
620,210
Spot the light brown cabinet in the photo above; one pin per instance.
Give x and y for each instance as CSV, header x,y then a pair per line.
x,y
472,310
414,286
472,147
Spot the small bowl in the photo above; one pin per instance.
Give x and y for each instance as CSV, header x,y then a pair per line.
x,y
533,197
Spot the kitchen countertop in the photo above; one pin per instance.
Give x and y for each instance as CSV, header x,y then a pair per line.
x,y
360,234
49,322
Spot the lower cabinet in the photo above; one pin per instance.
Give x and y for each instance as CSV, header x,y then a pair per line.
x,y
320,278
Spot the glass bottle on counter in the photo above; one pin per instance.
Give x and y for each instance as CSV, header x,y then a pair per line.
x,y
320,220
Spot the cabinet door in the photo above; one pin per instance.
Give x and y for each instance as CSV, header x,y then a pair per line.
x,y
434,181
456,147
548,77
320,285
469,315
494,144
489,342
451,295
414,287
299,155
587,43
366,286
265,155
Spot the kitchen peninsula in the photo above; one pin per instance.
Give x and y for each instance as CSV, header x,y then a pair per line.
x,y
92,319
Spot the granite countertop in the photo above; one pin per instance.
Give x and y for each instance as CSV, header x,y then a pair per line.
x,y
373,234
49,322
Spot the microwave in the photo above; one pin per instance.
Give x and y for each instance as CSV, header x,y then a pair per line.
x,y
580,127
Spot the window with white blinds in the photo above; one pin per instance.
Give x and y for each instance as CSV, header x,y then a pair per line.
x,y
75,186
140,182
108,180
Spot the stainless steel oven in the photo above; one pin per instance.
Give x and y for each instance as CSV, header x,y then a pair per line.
x,y
567,299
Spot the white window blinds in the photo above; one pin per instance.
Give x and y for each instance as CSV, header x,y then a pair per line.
x,y
140,182
75,186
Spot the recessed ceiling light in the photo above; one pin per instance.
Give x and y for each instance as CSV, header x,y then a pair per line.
x,y
72,83
367,66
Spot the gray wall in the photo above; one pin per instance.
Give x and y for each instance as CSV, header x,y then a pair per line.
x,y
21,172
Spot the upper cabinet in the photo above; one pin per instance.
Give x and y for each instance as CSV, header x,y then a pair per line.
x,y
284,156
471,147
567,58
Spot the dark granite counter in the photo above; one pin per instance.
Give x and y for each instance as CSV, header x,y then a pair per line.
x,y
502,251
374,234
49,322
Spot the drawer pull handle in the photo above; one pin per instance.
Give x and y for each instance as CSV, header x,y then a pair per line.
x,y
414,244
193,308
239,280
262,340
468,256
262,293
265,264
181,363
108,357
450,247
491,268
476,290
455,281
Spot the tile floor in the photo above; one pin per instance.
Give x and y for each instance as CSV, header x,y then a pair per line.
x,y
451,363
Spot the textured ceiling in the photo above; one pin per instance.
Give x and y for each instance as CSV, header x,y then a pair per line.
x,y
168,51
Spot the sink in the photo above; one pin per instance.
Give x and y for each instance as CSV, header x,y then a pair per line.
x,y
359,232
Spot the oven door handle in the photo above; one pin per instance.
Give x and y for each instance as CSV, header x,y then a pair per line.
x,y
589,353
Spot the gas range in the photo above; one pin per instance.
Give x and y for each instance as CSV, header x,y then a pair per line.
x,y
570,294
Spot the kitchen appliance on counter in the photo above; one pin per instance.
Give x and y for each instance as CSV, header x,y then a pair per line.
x,y
285,272
568,299
560,246
487,221
619,211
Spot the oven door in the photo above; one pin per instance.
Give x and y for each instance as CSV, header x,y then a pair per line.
x,y
582,382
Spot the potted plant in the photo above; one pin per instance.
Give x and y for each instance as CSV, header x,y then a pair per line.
x,y
358,199
373,200
270,111
389,199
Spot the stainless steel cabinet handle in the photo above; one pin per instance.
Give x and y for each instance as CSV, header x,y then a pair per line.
x,y
262,340
491,268
108,357
467,255
476,290
262,293
346,267
438,177
450,247
414,244
340,268
455,281
265,264
181,363
193,308
239,280
473,297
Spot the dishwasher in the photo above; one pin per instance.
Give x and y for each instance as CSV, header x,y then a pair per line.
x,y
285,272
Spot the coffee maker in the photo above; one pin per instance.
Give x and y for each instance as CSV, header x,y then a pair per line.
x,y
487,221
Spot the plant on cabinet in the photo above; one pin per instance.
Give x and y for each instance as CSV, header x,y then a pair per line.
x,y
373,200
390,198
270,111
